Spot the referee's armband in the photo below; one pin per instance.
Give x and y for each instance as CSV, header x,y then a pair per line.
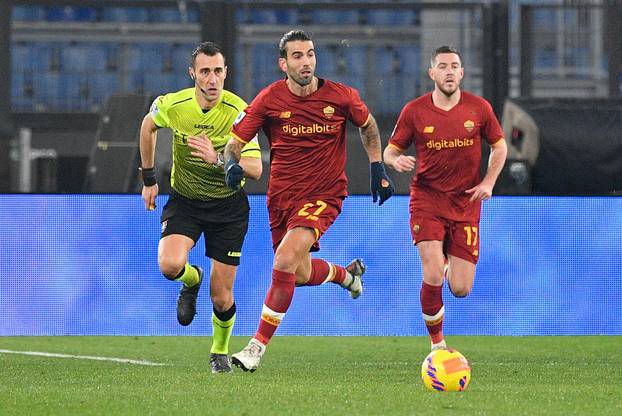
x,y
148,175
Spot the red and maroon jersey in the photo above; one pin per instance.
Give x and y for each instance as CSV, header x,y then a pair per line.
x,y
448,146
307,138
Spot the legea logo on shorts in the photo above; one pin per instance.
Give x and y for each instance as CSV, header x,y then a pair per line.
x,y
449,143
234,254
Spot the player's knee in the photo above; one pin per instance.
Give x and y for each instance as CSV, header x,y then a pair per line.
x,y
284,260
171,268
460,290
222,299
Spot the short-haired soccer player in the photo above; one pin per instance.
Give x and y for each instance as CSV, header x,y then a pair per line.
x,y
305,119
446,128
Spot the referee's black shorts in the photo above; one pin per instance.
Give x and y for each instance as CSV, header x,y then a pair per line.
x,y
224,223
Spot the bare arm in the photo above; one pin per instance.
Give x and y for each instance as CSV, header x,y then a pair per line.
x,y
147,142
148,137
395,158
498,153
370,136
483,191
252,167
233,150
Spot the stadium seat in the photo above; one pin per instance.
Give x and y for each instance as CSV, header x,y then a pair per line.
x,y
335,17
326,59
159,83
353,58
125,14
390,17
410,59
265,16
101,85
71,14
165,15
28,13
22,56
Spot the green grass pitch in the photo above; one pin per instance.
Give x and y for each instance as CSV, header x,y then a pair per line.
x,y
311,376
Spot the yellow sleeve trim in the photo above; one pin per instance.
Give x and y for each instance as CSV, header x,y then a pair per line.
x,y
238,138
397,147
497,141
366,121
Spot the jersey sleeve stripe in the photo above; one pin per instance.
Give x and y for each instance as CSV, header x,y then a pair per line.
x,y
366,121
397,147
497,141
238,138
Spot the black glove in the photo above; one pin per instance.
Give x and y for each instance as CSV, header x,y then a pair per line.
x,y
381,184
233,174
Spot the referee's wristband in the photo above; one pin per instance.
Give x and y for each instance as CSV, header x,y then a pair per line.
x,y
149,176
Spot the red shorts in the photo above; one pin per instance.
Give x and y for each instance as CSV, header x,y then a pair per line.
x,y
317,214
460,239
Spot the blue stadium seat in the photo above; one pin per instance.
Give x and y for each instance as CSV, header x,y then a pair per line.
x,y
181,57
101,86
326,59
28,13
165,15
74,92
159,83
335,17
381,17
545,57
265,16
287,16
71,14
22,56
410,59
354,59
265,59
22,91
125,14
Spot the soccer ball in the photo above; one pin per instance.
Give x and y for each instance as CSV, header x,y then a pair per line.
x,y
445,370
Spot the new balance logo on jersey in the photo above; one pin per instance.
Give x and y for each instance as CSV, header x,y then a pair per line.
x,y
448,143
234,254
204,126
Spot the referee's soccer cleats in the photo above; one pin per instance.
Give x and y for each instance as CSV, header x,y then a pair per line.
x,y
220,363
356,269
248,359
187,301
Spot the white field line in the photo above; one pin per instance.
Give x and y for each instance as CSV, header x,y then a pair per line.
x,y
81,357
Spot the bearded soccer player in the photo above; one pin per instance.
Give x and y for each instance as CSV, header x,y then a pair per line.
x,y
305,119
446,128
200,203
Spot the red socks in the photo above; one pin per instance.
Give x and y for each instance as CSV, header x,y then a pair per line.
x,y
433,310
278,299
323,271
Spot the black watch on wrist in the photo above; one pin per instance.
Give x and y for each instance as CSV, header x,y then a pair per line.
x,y
220,159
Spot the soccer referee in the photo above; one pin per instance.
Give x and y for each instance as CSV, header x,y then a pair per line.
x,y
201,118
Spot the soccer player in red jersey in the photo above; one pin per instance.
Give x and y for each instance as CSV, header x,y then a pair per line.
x,y
304,118
446,127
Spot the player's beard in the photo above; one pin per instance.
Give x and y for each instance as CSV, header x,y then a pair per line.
x,y
303,82
447,92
